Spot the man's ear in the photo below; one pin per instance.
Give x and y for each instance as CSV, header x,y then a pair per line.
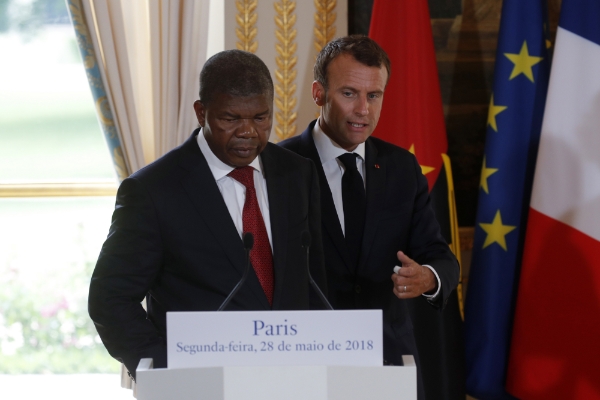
x,y
318,93
200,112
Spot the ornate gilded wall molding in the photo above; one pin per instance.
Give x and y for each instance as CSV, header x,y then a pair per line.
x,y
324,22
285,74
246,19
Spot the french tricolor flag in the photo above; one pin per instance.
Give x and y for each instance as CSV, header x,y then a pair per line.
x,y
555,349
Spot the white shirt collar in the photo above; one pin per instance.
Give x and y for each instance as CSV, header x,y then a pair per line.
x,y
217,167
328,149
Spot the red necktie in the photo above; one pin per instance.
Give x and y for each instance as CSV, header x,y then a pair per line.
x,y
261,256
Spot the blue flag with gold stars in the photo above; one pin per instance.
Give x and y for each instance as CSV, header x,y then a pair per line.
x,y
513,130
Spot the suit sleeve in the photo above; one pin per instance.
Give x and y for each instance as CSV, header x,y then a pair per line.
x,y
129,262
427,246
317,258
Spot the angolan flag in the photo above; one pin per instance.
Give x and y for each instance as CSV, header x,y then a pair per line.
x,y
555,349
412,117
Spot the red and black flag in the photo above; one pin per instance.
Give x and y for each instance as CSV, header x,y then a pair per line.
x,y
412,118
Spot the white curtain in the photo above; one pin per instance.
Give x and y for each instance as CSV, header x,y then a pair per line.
x,y
150,53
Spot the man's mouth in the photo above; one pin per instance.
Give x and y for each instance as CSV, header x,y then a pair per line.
x,y
357,125
244,151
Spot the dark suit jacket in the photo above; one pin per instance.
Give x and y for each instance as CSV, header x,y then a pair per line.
x,y
173,241
399,217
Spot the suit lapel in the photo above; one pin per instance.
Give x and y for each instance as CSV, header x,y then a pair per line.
x,y
376,176
200,186
277,188
329,218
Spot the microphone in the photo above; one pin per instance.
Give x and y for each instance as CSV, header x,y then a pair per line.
x,y
248,240
305,239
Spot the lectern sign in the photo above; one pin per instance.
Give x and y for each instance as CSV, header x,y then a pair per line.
x,y
210,339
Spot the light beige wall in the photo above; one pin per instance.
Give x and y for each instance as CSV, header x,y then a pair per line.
x,y
216,28
306,52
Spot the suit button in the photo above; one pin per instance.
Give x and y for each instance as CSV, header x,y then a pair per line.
x,y
357,288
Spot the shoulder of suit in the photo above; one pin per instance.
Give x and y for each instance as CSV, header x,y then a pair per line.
x,y
294,143
167,164
386,148
160,165
285,153
291,143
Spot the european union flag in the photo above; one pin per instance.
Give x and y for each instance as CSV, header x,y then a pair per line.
x,y
513,131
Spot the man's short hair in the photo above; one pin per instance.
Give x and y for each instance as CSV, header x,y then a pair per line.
x,y
234,72
364,50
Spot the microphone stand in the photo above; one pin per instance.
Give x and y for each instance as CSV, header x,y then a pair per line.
x,y
306,244
248,240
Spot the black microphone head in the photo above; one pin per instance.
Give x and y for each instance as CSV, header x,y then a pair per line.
x,y
305,239
248,239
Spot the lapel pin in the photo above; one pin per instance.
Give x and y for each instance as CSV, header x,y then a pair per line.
x,y
377,166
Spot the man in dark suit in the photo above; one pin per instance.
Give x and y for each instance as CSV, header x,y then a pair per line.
x,y
376,211
176,233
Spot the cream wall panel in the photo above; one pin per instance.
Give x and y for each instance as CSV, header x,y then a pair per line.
x,y
306,53
216,28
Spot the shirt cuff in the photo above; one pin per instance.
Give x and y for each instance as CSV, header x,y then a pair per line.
x,y
439,284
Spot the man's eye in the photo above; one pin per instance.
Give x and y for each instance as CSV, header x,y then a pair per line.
x,y
230,119
373,96
347,94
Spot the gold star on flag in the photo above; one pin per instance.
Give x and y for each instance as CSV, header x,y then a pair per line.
x,y
496,232
523,62
425,169
492,112
485,173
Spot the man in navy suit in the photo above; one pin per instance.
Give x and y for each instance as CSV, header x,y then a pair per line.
x,y
384,220
176,233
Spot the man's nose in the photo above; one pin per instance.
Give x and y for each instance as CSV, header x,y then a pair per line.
x,y
247,128
362,106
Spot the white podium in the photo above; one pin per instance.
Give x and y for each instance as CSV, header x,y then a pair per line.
x,y
277,382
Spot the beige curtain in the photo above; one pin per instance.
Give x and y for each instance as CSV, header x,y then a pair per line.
x,y
150,53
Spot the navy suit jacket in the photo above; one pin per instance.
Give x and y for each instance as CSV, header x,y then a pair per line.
x,y
172,241
399,217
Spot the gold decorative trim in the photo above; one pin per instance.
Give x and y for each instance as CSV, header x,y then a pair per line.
x,y
103,111
246,19
285,74
84,40
119,163
94,76
454,230
58,189
324,22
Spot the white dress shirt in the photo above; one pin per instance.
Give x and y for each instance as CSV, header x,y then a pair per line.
x,y
233,192
329,151
334,169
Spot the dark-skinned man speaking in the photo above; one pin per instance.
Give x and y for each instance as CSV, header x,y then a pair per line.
x,y
176,232
376,209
